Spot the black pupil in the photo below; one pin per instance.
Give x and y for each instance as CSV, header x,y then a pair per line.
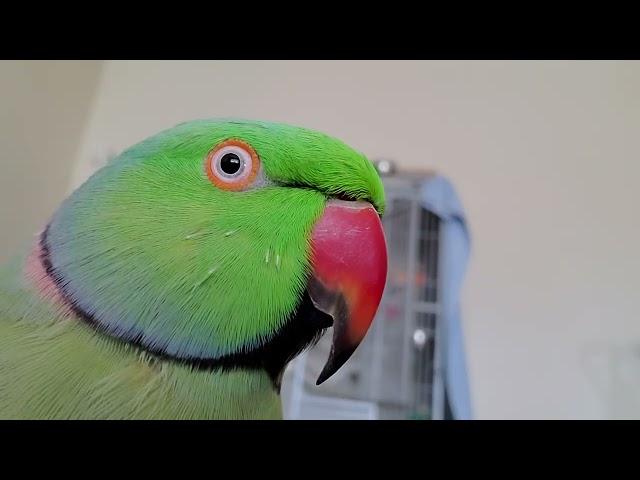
x,y
230,163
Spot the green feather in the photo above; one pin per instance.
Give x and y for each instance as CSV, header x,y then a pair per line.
x,y
161,259
54,367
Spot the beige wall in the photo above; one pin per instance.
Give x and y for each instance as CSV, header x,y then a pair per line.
x,y
545,156
43,110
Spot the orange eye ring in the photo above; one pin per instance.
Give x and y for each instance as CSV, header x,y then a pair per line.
x,y
232,165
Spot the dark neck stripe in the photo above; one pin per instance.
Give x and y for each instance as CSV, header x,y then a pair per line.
x,y
302,329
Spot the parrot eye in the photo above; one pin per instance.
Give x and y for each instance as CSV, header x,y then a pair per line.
x,y
232,165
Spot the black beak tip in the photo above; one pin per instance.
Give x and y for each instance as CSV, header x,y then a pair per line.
x,y
337,358
328,370
322,378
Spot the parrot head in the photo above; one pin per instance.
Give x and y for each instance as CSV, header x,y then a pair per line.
x,y
225,244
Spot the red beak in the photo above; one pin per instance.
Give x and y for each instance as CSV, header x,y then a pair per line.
x,y
349,261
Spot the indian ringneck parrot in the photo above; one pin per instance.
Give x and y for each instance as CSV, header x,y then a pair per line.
x,y
181,278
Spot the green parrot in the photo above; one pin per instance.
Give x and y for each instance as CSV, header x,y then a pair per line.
x,y
181,278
